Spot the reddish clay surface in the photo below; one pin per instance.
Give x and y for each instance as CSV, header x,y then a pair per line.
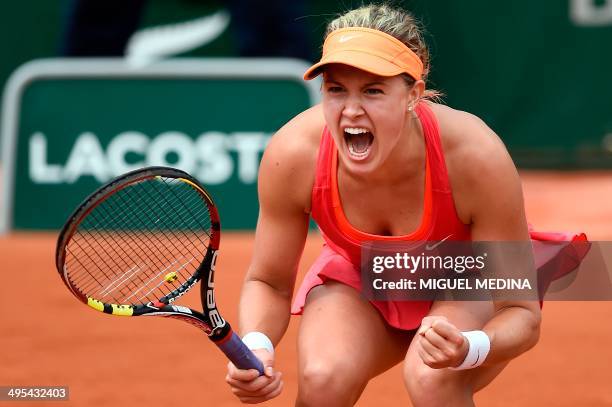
x,y
49,338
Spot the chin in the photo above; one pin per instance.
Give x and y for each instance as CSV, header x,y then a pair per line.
x,y
362,167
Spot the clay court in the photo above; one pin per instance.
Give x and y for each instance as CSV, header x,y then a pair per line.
x,y
49,338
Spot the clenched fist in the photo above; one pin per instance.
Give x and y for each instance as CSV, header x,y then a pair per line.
x,y
249,386
440,344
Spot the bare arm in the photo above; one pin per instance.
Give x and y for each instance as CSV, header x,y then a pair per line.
x,y
285,183
286,177
497,214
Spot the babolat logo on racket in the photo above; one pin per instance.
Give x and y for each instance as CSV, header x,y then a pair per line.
x,y
180,308
215,317
182,290
161,242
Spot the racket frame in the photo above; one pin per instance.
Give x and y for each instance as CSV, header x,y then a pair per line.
x,y
210,320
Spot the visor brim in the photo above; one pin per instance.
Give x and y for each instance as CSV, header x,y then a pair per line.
x,y
360,60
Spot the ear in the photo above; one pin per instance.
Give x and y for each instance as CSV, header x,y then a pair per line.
x,y
415,94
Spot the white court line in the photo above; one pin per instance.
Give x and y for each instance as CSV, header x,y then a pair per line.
x,y
161,282
153,278
119,280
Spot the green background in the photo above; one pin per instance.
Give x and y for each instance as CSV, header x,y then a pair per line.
x,y
148,106
540,79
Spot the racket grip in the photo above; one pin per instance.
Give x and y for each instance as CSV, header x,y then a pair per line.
x,y
240,355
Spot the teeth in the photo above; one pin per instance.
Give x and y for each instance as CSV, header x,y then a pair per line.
x,y
355,130
357,154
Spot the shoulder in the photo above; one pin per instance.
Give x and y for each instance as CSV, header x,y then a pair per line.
x,y
480,168
467,137
289,161
294,146
303,131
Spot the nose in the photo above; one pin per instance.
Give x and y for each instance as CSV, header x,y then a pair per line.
x,y
352,107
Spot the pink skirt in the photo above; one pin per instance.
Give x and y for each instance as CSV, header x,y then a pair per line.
x,y
330,265
555,254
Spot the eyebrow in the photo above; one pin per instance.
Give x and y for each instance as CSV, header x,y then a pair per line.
x,y
374,83
330,79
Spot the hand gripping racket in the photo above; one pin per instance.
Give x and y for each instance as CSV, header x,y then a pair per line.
x,y
140,242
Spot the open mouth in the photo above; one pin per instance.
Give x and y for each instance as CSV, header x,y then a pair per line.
x,y
358,141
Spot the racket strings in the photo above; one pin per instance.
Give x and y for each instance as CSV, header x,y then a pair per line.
x,y
151,220
100,238
126,275
103,243
130,243
194,217
134,270
94,261
194,198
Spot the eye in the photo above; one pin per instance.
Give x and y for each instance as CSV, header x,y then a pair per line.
x,y
334,89
374,91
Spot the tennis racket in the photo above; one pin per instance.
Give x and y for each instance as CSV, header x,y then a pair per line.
x,y
143,240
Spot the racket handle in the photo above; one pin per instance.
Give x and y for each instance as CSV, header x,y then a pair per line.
x,y
239,354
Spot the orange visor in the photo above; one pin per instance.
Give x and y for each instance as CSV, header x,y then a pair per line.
x,y
369,50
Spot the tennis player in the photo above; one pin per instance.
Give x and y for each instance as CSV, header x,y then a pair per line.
x,y
378,159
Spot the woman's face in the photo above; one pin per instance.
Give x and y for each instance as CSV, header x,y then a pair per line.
x,y
366,114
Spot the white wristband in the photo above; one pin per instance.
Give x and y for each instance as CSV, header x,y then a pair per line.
x,y
479,347
258,340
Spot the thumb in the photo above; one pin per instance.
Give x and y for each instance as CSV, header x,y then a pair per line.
x,y
426,323
267,359
269,371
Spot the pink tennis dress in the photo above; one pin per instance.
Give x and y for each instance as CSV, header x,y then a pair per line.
x,y
340,258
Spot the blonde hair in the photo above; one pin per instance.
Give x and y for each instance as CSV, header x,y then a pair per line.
x,y
395,22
